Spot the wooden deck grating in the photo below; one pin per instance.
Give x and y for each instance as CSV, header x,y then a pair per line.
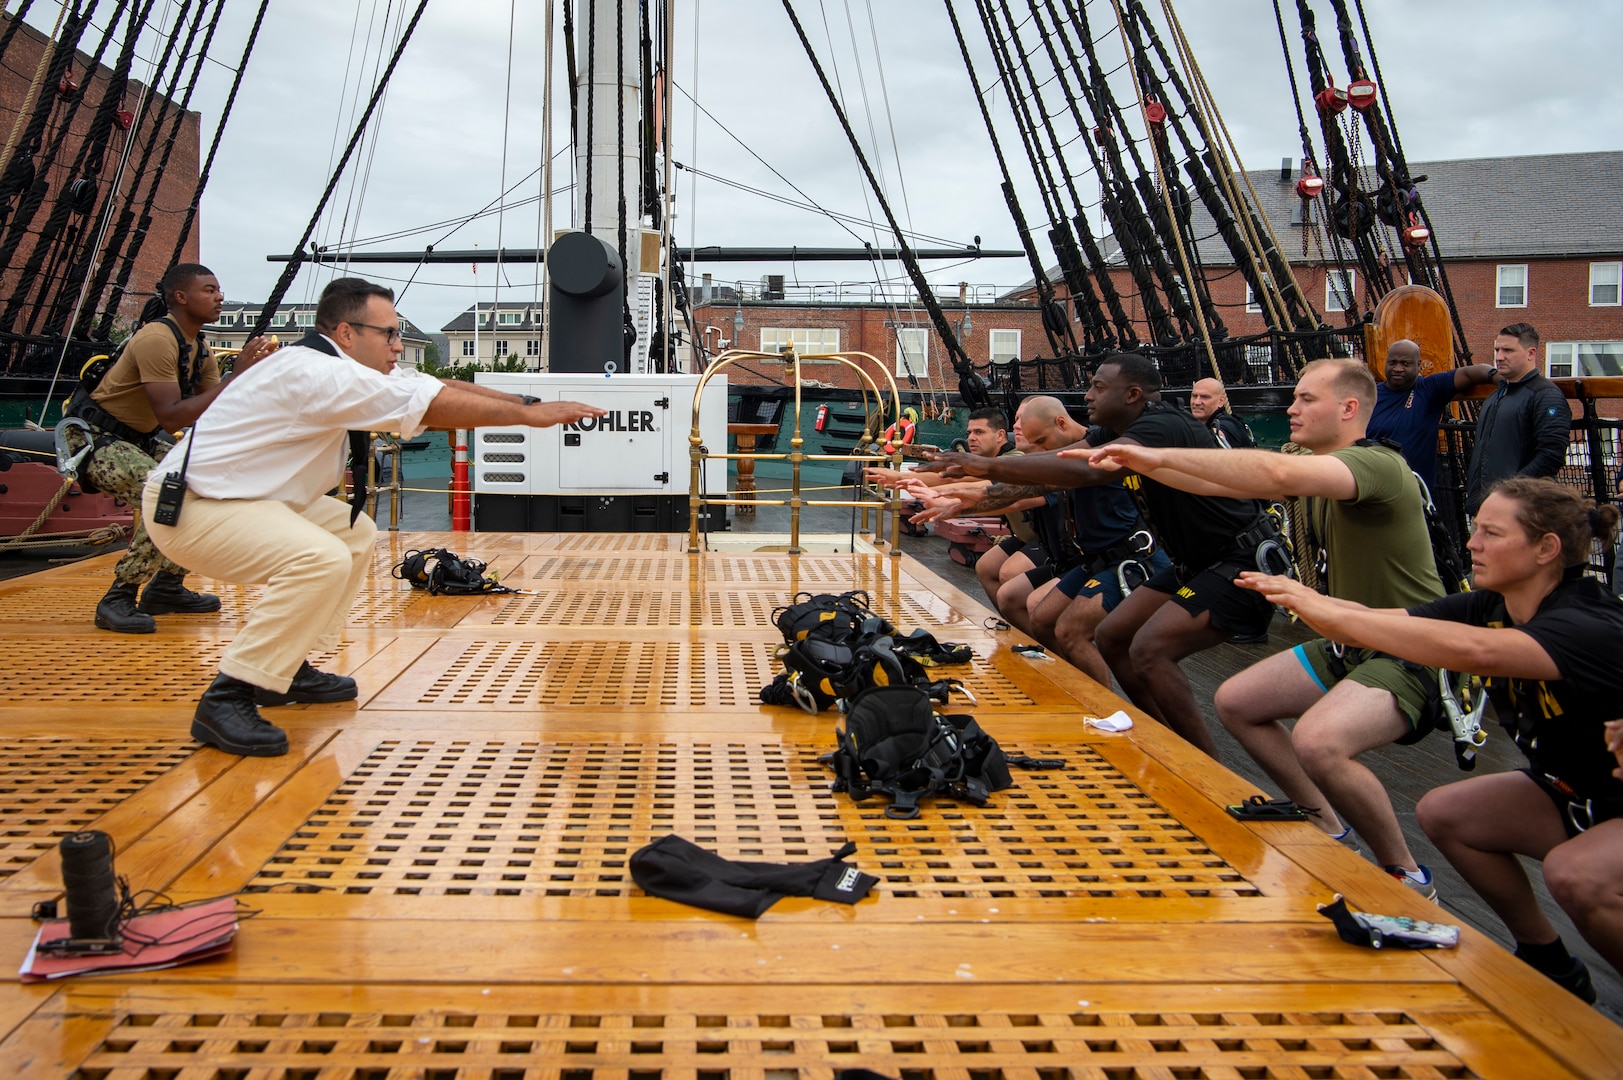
x,y
442,867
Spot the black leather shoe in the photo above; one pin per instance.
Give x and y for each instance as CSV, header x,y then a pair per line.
x,y
310,687
117,612
226,718
167,594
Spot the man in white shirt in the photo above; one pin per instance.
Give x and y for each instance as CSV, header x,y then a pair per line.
x,y
255,510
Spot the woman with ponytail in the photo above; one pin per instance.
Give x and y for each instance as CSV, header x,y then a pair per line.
x,y
1549,641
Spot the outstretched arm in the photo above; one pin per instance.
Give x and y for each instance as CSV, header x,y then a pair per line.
x,y
1239,474
1480,650
1043,471
451,409
1473,375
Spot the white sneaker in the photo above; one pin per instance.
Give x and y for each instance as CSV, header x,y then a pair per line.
x,y
1419,880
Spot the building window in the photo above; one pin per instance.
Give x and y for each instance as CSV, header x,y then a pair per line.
x,y
249,318
467,346
1512,286
1584,358
1340,288
804,339
304,318
1604,279
509,318
532,347
501,349
1252,303
913,352
1004,346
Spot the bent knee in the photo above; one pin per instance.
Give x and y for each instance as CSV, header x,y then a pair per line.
x,y
1440,813
1576,883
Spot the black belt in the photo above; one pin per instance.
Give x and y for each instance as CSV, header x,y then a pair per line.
x,y
104,423
1120,552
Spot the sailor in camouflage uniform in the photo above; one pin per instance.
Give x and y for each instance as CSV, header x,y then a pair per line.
x,y
161,381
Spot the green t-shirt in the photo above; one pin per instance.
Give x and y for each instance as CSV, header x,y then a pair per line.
x,y
1376,544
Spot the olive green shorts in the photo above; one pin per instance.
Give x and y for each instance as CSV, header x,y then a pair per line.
x,y
1412,686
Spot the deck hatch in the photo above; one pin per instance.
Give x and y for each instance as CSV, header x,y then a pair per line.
x,y
987,1046
444,818
526,673
50,788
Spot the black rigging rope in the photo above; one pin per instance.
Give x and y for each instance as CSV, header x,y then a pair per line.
x,y
214,144
131,233
1058,331
970,385
46,238
299,253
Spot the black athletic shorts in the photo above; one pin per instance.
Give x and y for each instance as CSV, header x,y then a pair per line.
x,y
1235,610
1577,815
1040,574
1010,544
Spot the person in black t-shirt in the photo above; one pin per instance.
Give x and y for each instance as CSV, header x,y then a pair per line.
x,y
1190,607
1547,639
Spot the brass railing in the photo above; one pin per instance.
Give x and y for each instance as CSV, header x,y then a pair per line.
x,y
698,453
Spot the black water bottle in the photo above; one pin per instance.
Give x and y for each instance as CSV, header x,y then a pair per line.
x,y
92,890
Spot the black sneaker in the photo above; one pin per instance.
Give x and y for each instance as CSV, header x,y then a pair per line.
x,y
1576,980
309,687
226,718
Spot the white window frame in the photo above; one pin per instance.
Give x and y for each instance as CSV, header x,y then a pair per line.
x,y
1333,298
1008,355
1499,285
805,339
509,318
1253,303
467,347
916,341
1566,359
501,349
249,318
1613,271
532,347
304,318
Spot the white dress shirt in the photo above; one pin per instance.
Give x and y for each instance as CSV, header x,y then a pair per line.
x,y
280,430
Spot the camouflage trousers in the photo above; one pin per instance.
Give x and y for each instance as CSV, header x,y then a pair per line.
x,y
120,469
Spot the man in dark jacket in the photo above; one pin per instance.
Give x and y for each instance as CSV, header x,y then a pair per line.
x,y
1523,428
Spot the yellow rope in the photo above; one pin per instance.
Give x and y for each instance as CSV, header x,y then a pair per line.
x,y
33,93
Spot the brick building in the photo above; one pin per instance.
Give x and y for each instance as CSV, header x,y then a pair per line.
x,y
1535,239
897,331
53,171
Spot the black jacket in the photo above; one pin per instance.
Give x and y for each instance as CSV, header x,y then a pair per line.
x,y
1522,430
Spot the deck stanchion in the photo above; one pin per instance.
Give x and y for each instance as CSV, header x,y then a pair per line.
x,y
461,490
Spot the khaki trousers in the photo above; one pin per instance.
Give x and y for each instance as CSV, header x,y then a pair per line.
x,y
313,565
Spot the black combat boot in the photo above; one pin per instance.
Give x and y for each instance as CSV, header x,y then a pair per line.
x,y
226,718
167,594
310,687
117,611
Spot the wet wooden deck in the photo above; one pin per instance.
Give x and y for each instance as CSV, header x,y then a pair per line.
x,y
442,867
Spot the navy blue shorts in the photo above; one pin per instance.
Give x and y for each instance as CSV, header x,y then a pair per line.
x,y
1106,581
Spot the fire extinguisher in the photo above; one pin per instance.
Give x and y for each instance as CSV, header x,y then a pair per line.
x,y
822,418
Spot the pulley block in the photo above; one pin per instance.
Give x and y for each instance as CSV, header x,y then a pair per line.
x,y
1360,94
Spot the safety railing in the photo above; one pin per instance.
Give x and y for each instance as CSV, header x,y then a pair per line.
x,y
874,401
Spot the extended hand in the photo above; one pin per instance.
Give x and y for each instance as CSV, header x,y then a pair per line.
x,y
254,350
943,508
548,413
956,464
1118,457
1614,743
887,478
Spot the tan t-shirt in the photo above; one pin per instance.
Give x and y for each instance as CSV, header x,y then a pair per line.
x,y
150,357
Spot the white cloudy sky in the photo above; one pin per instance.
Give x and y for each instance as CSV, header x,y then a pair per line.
x,y
1468,78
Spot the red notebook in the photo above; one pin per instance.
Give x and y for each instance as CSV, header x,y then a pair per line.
x,y
161,939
